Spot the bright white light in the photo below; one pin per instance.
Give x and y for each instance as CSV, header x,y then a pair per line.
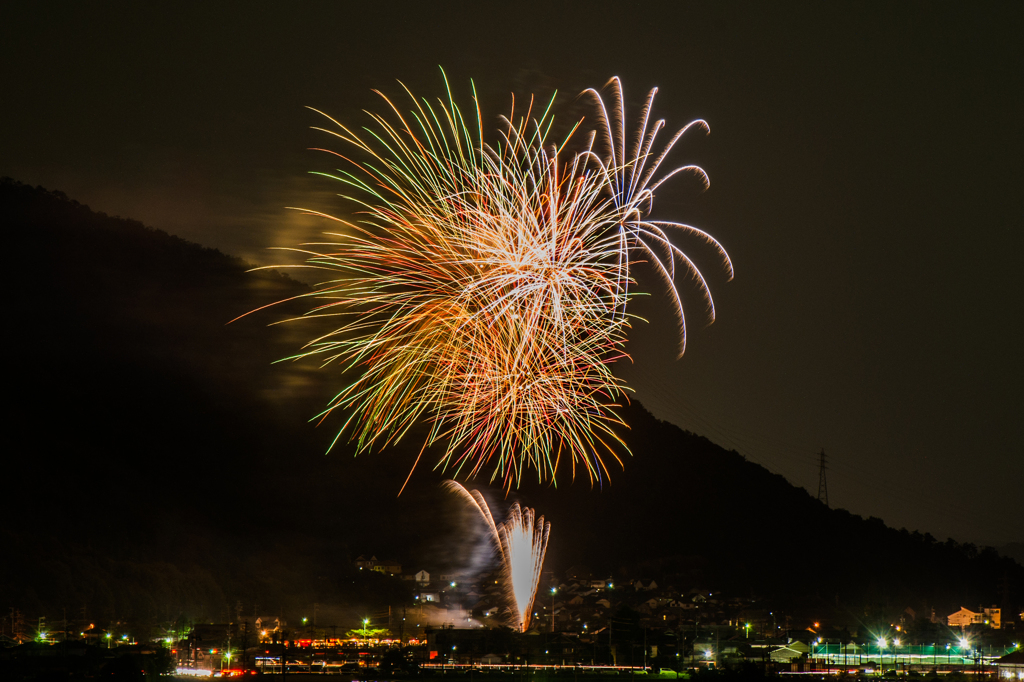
x,y
881,642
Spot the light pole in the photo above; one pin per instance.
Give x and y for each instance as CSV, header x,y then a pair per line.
x,y
553,591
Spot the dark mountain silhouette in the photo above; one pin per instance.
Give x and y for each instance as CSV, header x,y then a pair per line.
x,y
158,465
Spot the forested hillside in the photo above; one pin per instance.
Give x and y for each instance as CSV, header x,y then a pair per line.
x,y
159,466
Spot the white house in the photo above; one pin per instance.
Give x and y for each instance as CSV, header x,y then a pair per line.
x,y
964,617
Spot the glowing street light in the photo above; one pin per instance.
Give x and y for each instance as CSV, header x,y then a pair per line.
x,y
554,590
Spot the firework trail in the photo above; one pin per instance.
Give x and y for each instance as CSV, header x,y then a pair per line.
x,y
482,291
632,182
522,541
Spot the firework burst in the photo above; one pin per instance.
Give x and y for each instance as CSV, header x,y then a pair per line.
x,y
521,541
482,291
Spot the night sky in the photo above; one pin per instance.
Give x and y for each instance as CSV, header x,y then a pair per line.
x,y
866,177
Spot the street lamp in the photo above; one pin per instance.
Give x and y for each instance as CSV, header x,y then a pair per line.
x,y
553,591
881,647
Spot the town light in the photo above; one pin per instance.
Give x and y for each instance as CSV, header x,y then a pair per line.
x,y
708,653
964,643
881,642
896,642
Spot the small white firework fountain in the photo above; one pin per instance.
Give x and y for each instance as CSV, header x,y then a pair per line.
x,y
522,541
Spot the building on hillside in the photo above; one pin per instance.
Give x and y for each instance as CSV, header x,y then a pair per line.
x,y
964,617
267,627
385,566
